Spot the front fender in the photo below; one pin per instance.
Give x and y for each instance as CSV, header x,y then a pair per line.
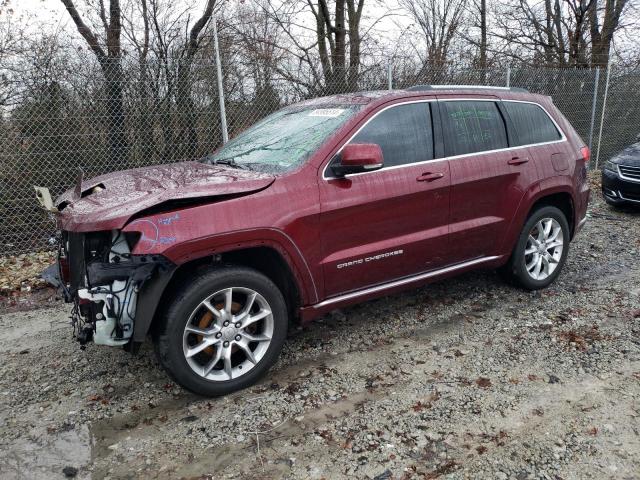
x,y
160,234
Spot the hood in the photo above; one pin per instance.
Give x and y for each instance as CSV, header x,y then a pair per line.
x,y
120,195
629,156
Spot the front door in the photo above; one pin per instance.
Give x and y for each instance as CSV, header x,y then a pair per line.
x,y
390,223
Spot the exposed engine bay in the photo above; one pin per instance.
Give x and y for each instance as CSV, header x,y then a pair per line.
x,y
103,280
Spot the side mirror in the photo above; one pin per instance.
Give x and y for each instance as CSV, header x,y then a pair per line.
x,y
357,158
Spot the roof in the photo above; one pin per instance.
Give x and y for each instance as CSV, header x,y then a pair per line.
x,y
378,96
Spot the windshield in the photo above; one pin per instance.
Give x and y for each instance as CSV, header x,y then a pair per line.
x,y
283,140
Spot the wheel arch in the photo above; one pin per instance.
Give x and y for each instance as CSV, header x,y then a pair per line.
x,y
560,197
264,258
563,201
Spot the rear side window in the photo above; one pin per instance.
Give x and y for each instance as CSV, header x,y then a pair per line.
x,y
472,126
403,132
532,124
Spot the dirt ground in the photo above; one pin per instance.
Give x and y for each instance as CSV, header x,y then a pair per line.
x,y
466,378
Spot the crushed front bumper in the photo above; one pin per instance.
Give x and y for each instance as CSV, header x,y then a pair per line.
x,y
114,293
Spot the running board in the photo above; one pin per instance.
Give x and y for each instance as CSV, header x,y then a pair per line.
x,y
403,281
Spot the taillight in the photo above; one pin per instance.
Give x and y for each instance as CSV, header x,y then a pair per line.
x,y
586,154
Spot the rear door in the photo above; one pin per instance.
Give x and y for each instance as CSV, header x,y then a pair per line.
x,y
534,128
488,177
390,223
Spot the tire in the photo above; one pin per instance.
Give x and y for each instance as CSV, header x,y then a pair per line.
x,y
211,298
519,270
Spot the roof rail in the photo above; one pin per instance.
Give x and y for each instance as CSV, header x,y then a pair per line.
x,y
419,88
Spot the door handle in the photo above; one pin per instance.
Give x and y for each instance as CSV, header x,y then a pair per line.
x,y
517,161
429,177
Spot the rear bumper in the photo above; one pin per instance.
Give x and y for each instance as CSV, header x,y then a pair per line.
x,y
619,191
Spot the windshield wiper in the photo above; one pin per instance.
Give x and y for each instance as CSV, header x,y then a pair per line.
x,y
230,162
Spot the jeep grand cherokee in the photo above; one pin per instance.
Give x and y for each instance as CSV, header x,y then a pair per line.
x,y
320,205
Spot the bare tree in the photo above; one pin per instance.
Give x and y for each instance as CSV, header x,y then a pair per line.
x,y
482,57
440,22
552,32
602,34
110,60
332,31
187,134
336,46
257,52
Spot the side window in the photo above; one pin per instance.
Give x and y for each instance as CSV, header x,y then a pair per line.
x,y
403,132
532,123
472,126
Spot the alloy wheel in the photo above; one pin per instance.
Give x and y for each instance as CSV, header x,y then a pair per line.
x,y
228,333
544,247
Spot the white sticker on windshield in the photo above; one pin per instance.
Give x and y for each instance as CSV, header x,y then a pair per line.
x,y
327,112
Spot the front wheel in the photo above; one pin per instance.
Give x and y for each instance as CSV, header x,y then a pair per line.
x,y
223,330
541,250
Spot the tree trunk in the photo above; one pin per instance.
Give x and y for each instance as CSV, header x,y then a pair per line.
x,y
482,60
111,66
601,38
116,134
355,14
187,133
339,55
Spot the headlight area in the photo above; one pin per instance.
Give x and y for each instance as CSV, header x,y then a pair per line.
x,y
610,167
105,285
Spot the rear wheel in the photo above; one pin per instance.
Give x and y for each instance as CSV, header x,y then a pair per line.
x,y
223,330
541,250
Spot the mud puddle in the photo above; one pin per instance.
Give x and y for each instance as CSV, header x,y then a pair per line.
x,y
44,455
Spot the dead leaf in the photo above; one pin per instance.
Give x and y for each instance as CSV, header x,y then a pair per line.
x,y
483,382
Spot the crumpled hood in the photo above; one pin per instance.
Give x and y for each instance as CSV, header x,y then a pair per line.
x,y
629,156
128,192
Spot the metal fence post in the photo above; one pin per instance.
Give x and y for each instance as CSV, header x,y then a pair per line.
x,y
390,75
508,76
593,108
604,107
223,112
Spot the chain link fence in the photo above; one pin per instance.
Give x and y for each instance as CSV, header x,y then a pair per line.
x,y
113,117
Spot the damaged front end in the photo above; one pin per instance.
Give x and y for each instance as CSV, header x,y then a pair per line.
x,y
114,293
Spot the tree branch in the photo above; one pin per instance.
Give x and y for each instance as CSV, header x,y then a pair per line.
x,y
84,30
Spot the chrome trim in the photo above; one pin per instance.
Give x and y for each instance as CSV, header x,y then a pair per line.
x,y
624,177
626,199
470,87
403,281
453,157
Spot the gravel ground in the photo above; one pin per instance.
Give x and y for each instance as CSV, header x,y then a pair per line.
x,y
466,378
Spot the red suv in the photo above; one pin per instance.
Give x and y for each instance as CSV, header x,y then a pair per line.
x,y
322,204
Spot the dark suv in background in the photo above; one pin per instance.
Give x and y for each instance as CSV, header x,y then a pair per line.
x,y
321,205
621,177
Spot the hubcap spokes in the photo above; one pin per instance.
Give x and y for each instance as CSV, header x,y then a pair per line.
x,y
228,334
544,247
